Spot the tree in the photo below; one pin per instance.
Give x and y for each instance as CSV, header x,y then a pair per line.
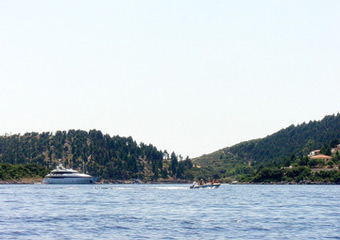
x,y
303,161
166,155
173,164
326,149
180,169
330,164
269,175
107,157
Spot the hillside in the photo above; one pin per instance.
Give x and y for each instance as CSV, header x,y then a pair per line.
x,y
104,156
272,150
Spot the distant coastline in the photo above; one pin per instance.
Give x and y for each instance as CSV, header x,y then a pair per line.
x,y
34,180
38,180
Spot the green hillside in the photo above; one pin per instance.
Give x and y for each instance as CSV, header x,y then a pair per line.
x,y
121,158
275,150
115,158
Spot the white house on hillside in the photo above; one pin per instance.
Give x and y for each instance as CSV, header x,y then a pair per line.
x,y
314,153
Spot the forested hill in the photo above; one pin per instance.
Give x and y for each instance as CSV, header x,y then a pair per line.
x,y
276,148
105,156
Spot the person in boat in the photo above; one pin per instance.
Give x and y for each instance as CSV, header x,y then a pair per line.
x,y
216,181
200,183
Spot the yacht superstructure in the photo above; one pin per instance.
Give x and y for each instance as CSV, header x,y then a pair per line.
x,y
62,175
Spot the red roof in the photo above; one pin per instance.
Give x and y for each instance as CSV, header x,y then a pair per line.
x,y
321,156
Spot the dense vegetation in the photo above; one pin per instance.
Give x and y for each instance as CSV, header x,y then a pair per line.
x,y
280,157
9,171
105,156
299,140
253,160
296,175
298,170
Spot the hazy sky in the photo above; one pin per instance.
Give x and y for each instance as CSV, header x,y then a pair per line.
x,y
186,76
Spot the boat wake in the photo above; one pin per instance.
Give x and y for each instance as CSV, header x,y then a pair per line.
x,y
113,188
171,188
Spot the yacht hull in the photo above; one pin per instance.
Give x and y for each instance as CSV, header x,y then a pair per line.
x,y
70,180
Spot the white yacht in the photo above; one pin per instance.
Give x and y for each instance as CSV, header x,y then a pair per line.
x,y
62,175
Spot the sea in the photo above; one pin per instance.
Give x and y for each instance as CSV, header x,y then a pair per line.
x,y
169,211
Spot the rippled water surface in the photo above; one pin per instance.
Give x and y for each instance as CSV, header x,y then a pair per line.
x,y
169,212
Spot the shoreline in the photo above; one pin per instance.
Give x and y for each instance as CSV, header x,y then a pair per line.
x,y
104,181
134,181
23,181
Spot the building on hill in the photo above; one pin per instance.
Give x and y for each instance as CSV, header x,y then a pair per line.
x,y
314,153
321,157
336,149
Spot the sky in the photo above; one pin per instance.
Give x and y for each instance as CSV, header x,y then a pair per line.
x,y
187,76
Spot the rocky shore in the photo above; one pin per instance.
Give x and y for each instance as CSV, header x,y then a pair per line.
x,y
23,181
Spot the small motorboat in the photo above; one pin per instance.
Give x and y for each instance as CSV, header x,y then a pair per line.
x,y
201,184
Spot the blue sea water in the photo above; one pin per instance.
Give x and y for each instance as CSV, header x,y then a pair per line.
x,y
169,212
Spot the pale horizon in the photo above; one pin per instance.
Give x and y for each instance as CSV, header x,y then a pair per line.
x,y
186,76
